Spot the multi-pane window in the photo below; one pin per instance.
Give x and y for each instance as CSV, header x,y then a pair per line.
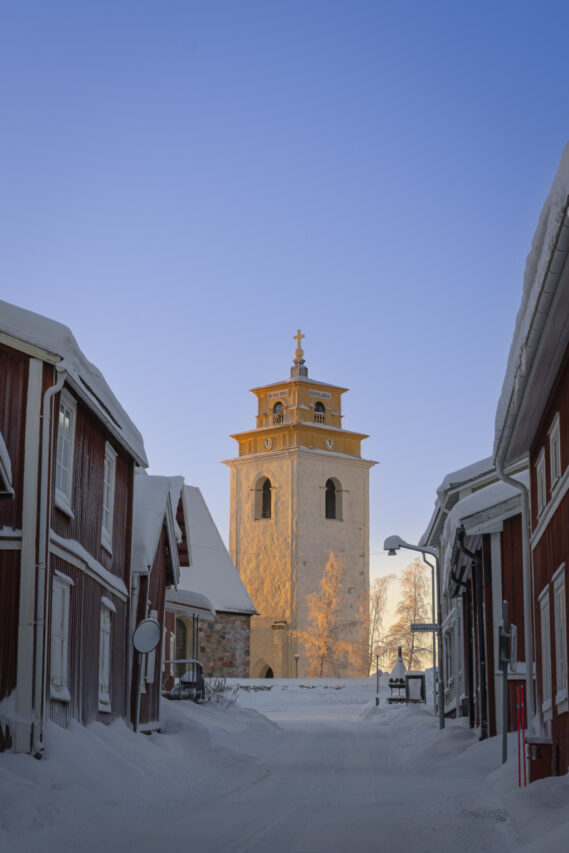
x,y
555,451
545,650
560,615
65,447
107,608
541,483
59,639
108,496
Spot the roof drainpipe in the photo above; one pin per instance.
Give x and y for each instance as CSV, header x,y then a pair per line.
x,y
528,591
42,608
481,632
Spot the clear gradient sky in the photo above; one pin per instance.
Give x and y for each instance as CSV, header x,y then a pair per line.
x,y
186,183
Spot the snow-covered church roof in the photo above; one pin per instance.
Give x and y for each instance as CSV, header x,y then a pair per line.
x,y
57,340
212,571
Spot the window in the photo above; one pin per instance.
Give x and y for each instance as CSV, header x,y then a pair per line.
x,y
560,616
263,499
59,652
333,499
64,454
266,501
554,451
545,651
108,497
107,608
541,484
319,412
278,413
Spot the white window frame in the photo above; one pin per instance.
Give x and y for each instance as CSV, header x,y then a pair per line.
x,y
59,638
109,479
105,647
541,482
555,451
560,617
545,622
64,490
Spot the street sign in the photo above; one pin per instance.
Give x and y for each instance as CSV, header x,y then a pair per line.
x,y
424,627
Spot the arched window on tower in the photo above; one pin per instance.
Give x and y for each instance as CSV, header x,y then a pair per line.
x,y
263,498
333,499
278,413
319,412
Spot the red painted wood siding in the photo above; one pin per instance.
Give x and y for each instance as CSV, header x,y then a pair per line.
x,y
512,577
9,604
84,627
155,591
87,495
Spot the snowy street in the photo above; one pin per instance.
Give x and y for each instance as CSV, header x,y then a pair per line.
x,y
291,767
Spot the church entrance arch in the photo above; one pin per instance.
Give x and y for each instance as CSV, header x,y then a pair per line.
x,y
263,670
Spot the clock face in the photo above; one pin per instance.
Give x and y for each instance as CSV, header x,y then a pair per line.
x,y
330,443
268,443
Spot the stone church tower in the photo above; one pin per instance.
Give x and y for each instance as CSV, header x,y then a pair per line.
x,y
299,491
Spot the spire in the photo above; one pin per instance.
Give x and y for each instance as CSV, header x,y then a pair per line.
x,y
298,368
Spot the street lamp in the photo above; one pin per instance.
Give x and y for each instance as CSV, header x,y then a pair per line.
x,y
377,652
296,657
392,544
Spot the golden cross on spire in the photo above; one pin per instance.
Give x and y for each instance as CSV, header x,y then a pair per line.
x,y
298,353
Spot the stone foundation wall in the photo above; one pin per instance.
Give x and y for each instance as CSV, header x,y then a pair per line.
x,y
224,646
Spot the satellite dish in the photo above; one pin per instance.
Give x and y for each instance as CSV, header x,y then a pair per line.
x,y
146,636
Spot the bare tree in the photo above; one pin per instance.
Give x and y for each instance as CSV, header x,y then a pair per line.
x,y
324,638
413,607
377,603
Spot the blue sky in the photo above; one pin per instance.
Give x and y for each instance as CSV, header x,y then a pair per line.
x,y
185,184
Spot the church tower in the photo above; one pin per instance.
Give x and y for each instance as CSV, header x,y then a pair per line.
x,y
299,491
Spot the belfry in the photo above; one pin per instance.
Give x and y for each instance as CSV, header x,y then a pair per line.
x,y
300,492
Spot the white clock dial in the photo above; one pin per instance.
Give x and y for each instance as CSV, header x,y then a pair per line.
x,y
330,443
268,443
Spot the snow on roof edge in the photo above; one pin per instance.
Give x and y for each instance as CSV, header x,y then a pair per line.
x,y
536,266
56,338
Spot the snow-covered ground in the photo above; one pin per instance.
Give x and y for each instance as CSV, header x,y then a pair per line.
x,y
291,767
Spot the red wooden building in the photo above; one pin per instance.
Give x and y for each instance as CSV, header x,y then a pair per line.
x,y
65,537
532,421
159,547
476,528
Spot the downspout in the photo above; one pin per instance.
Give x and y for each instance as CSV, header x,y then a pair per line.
x,y
42,603
528,590
481,632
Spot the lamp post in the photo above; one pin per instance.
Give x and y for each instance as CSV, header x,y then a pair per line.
x,y
377,652
392,544
296,657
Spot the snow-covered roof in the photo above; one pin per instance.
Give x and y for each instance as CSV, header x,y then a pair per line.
x,y
155,499
466,475
212,572
186,602
5,468
455,480
57,340
542,302
502,497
